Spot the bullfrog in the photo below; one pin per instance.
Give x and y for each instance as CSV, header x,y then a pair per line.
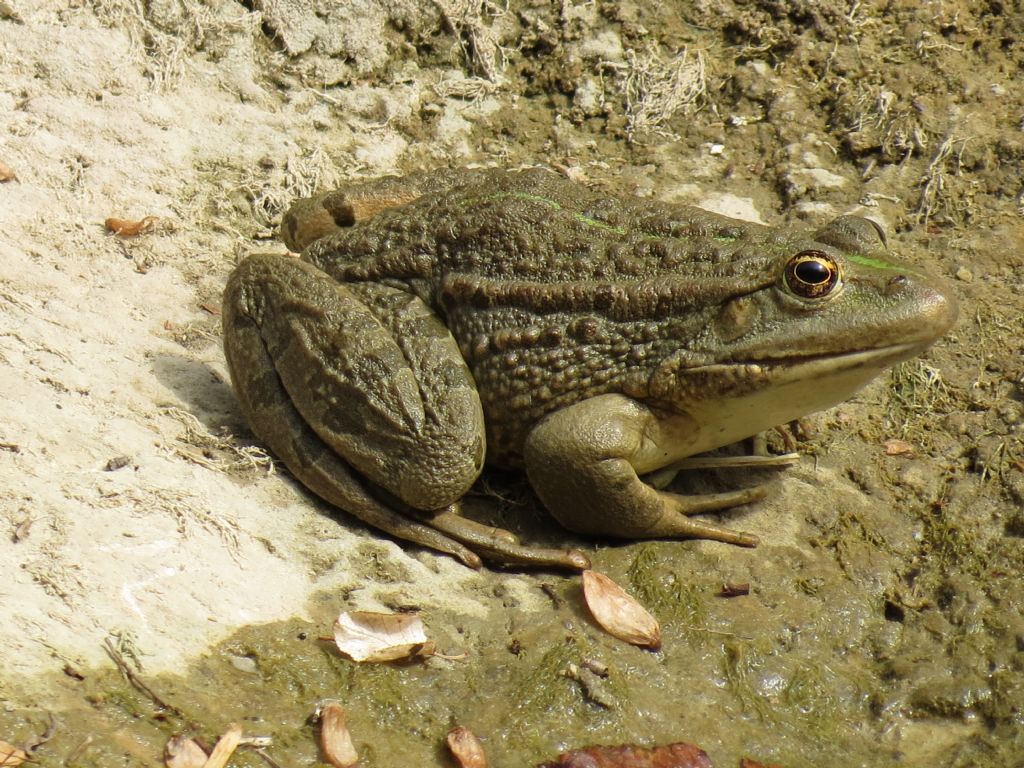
x,y
441,321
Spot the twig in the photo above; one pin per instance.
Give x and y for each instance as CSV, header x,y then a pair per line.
x,y
269,760
136,681
44,737
721,632
78,751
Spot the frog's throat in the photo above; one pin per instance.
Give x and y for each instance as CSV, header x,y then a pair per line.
x,y
727,402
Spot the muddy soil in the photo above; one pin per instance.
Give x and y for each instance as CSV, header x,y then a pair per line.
x,y
142,520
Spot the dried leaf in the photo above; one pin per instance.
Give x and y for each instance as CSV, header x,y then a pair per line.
x,y
7,174
22,529
619,614
73,672
466,748
367,636
128,228
335,739
183,752
730,589
11,755
679,755
594,687
225,747
894,447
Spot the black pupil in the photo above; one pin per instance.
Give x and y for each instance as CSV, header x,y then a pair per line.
x,y
812,272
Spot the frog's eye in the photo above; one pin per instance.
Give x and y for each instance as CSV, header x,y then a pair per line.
x,y
811,274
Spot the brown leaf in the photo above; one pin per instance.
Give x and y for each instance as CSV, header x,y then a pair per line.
x,y
618,613
73,672
677,755
213,309
21,531
225,747
7,174
128,228
373,637
466,748
894,447
11,755
335,739
735,590
184,752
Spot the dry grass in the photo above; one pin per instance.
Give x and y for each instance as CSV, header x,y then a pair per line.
x,y
656,89
189,512
873,115
481,45
164,35
220,453
468,88
303,175
918,392
943,190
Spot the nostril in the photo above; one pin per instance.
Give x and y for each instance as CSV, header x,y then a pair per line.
x,y
896,284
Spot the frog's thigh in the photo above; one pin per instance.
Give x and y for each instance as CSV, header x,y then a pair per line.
x,y
581,459
378,378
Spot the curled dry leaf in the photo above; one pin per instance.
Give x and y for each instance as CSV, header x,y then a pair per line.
x,y
367,636
225,747
7,174
679,755
593,685
618,613
183,752
128,228
466,748
731,589
11,755
22,529
335,739
895,447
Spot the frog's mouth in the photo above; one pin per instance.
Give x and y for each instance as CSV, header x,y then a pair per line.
x,y
739,376
817,367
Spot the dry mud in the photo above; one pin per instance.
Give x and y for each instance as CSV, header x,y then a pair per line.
x,y
884,623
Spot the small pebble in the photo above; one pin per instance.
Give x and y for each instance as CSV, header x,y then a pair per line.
x,y
244,664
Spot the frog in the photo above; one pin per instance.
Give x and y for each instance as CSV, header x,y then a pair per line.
x,y
441,321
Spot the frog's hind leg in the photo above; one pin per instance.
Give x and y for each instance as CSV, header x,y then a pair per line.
x,y
501,546
311,218
332,392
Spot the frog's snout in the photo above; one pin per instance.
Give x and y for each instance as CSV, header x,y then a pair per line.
x,y
937,306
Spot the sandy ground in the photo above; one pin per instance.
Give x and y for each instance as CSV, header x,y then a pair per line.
x,y
164,546
134,503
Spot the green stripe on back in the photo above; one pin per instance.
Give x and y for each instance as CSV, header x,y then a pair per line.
x,y
867,261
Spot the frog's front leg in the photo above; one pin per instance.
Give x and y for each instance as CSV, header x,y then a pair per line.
x,y
583,463
361,391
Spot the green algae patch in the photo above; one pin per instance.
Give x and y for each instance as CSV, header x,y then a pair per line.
x,y
665,591
796,690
